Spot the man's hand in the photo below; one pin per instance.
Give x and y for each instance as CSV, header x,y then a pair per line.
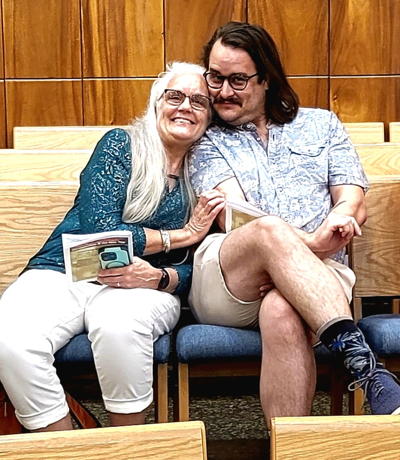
x,y
335,233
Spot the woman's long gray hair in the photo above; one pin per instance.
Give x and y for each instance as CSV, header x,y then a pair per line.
x,y
148,177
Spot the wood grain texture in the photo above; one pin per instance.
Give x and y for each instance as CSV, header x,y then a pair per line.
x,y
366,133
122,38
380,159
114,102
366,99
28,214
394,132
1,46
300,30
364,37
167,441
313,92
42,166
58,137
42,38
341,437
191,23
43,103
375,256
3,133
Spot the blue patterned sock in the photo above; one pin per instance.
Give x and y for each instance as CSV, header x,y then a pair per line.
x,y
345,339
380,386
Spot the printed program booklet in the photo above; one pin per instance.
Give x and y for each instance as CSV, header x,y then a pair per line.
x,y
85,255
238,213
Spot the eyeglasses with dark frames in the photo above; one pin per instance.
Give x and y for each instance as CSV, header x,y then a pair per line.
x,y
197,101
237,81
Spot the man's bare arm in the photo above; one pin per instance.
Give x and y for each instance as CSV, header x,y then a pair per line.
x,y
343,222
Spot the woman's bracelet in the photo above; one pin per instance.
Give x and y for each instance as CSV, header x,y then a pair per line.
x,y
165,241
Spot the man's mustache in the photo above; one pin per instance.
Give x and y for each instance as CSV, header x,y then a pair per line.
x,y
230,100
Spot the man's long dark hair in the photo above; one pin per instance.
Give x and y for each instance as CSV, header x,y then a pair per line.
x,y
282,103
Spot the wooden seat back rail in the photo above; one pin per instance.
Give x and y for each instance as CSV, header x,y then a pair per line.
x,y
164,441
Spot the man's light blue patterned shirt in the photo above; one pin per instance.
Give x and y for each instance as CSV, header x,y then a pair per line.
x,y
291,177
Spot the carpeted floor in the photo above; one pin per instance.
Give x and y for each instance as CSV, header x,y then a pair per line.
x,y
232,415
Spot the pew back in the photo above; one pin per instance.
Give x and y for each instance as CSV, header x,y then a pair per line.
x,y
163,441
58,137
344,437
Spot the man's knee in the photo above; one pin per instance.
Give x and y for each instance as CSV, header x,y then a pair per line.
x,y
270,230
277,316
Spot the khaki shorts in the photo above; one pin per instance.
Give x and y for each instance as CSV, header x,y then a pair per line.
x,y
211,301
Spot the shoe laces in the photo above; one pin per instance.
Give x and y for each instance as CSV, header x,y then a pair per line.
x,y
372,381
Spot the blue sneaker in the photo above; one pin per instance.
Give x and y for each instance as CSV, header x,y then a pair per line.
x,y
382,391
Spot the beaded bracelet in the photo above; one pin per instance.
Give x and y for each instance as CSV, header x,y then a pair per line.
x,y
165,241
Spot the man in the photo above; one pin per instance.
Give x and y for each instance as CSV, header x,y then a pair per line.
x,y
283,272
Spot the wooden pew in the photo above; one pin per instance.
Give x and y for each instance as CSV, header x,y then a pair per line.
x,y
172,441
42,165
58,137
36,188
28,213
366,132
374,257
341,437
86,137
380,159
394,131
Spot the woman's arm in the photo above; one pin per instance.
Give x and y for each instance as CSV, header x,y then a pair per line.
x,y
102,198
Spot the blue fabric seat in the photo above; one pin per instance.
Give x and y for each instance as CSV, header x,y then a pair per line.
x,y
206,350
197,342
79,350
382,333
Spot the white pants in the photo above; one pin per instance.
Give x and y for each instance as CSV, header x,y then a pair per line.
x,y
40,312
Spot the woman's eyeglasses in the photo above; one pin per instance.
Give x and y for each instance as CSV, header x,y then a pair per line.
x,y
197,101
237,81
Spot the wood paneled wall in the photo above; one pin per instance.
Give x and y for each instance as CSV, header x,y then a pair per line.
x,y
91,62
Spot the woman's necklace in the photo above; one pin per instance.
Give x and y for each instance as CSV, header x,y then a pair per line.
x,y
173,176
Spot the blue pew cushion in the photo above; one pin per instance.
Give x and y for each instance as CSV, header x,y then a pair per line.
x,y
382,333
198,342
78,349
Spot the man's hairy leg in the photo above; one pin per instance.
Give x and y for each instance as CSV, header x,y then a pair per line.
x,y
288,375
268,247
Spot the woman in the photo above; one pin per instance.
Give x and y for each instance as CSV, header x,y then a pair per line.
x,y
133,181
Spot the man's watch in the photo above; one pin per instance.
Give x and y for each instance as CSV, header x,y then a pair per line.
x,y
164,280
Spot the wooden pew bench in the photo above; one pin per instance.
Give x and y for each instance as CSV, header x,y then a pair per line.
x,y
394,131
172,441
366,132
42,165
59,137
342,437
36,188
380,159
86,137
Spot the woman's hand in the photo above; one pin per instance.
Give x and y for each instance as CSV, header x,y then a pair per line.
x,y
139,274
209,205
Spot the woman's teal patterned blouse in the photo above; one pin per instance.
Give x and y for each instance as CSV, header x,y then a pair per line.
x,y
99,204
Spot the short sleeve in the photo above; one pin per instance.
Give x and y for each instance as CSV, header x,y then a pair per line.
x,y
345,167
207,167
